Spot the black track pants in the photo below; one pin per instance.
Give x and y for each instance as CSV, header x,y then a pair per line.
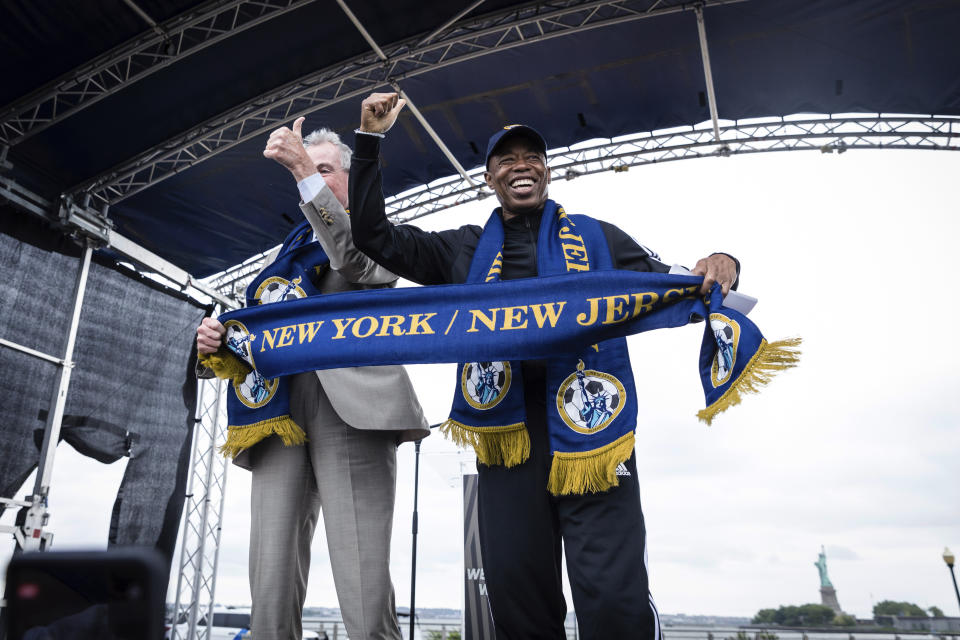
x,y
521,527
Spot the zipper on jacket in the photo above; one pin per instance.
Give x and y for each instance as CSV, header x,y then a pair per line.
x,y
533,244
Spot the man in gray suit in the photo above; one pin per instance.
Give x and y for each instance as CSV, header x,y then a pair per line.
x,y
353,418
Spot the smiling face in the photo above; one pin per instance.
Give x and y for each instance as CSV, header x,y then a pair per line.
x,y
326,157
517,172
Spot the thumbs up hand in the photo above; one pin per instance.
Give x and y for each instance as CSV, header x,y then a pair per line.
x,y
286,147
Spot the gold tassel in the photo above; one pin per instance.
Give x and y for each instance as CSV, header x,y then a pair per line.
x,y
508,445
591,471
245,436
769,359
225,365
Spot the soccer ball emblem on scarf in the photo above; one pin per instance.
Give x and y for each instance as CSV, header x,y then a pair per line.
x,y
589,400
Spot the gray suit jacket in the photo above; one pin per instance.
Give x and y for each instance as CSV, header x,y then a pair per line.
x,y
379,398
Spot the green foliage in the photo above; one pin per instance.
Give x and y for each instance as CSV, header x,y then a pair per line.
x,y
936,612
805,615
765,616
892,608
845,620
438,635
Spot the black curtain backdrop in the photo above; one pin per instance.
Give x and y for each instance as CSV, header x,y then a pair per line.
x,y
132,392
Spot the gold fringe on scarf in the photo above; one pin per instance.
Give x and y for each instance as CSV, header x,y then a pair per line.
x,y
590,471
244,437
769,359
225,365
508,445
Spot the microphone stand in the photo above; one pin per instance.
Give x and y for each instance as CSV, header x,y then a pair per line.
x,y
413,568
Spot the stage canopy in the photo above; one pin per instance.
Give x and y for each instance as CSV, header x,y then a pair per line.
x,y
158,110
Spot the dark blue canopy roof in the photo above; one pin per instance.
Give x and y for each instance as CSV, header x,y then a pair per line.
x,y
769,58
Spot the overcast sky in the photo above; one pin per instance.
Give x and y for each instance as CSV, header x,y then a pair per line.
x,y
857,449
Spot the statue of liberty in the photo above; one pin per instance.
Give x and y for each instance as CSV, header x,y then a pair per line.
x,y
594,409
821,564
486,385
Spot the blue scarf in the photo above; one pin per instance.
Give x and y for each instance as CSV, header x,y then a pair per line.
x,y
591,397
260,406
566,319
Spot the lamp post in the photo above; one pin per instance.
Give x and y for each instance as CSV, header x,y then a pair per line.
x,y
948,558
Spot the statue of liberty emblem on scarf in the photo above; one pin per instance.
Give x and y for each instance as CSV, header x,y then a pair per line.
x,y
254,391
727,334
589,400
485,384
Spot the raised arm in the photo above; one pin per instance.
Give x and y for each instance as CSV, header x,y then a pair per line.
x,y
420,256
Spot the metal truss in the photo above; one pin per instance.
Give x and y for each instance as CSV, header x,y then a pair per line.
x,y
203,516
233,282
464,40
134,60
826,134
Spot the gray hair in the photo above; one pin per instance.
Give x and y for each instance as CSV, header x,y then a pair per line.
x,y
319,136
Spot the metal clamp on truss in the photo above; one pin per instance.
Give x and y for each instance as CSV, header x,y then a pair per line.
x,y
85,220
28,530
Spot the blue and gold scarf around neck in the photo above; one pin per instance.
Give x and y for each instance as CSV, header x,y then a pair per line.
x,y
259,407
591,397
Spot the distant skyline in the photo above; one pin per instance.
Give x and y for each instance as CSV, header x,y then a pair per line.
x,y
857,449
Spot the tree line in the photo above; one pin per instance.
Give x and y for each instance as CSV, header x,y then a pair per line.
x,y
818,615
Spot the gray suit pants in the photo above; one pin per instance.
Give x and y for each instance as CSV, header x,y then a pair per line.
x,y
351,475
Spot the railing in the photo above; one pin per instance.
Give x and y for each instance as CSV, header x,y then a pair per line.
x,y
450,630
776,633
334,629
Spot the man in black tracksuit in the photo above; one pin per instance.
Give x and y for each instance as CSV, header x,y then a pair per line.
x,y
521,524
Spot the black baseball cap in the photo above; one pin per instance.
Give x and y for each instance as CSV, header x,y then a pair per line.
x,y
515,130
